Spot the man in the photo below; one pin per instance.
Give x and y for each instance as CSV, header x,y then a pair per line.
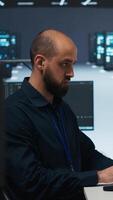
x,y
48,157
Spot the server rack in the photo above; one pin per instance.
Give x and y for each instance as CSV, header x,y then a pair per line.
x,y
92,47
100,48
108,51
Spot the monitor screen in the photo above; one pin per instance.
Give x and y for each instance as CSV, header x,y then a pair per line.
x,y
80,99
8,45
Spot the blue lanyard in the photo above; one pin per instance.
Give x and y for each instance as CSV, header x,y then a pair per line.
x,y
63,137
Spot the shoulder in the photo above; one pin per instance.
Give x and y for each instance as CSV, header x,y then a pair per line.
x,y
15,100
14,106
16,117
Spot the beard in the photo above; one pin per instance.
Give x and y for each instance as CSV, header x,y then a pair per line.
x,y
52,86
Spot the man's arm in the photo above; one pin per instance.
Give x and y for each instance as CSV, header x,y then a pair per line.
x,y
106,175
91,158
94,160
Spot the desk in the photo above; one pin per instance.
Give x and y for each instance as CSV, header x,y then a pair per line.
x,y
97,193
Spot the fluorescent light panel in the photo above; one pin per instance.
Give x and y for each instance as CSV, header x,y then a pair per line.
x,y
59,3
2,3
25,3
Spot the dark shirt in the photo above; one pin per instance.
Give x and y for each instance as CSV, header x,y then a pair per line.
x,y
37,166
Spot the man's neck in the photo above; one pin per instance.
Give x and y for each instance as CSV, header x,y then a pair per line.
x,y
38,84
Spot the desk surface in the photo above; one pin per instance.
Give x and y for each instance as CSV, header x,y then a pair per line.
x,y
97,193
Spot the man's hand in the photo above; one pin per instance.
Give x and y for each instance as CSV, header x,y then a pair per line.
x,y
106,175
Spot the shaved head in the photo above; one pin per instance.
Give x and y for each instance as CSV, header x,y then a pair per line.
x,y
48,43
53,55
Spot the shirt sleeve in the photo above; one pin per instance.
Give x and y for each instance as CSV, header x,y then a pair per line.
x,y
91,158
25,174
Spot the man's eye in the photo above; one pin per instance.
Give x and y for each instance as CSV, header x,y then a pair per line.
x,y
65,64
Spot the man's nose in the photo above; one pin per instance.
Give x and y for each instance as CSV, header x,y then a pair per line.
x,y
70,72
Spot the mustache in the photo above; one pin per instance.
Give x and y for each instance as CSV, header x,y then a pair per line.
x,y
67,79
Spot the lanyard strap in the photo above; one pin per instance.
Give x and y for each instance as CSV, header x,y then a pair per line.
x,y
62,134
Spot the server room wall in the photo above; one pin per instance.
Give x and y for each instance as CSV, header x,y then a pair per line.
x,y
76,22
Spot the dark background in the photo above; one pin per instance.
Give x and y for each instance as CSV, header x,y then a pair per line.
x,y
76,22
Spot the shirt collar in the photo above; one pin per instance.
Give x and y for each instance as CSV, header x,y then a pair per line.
x,y
35,97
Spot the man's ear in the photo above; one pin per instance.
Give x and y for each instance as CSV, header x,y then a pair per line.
x,y
39,61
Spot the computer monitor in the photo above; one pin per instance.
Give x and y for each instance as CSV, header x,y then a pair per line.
x,y
9,45
80,99
9,51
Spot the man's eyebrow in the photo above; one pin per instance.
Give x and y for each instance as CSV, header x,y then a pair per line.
x,y
69,60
